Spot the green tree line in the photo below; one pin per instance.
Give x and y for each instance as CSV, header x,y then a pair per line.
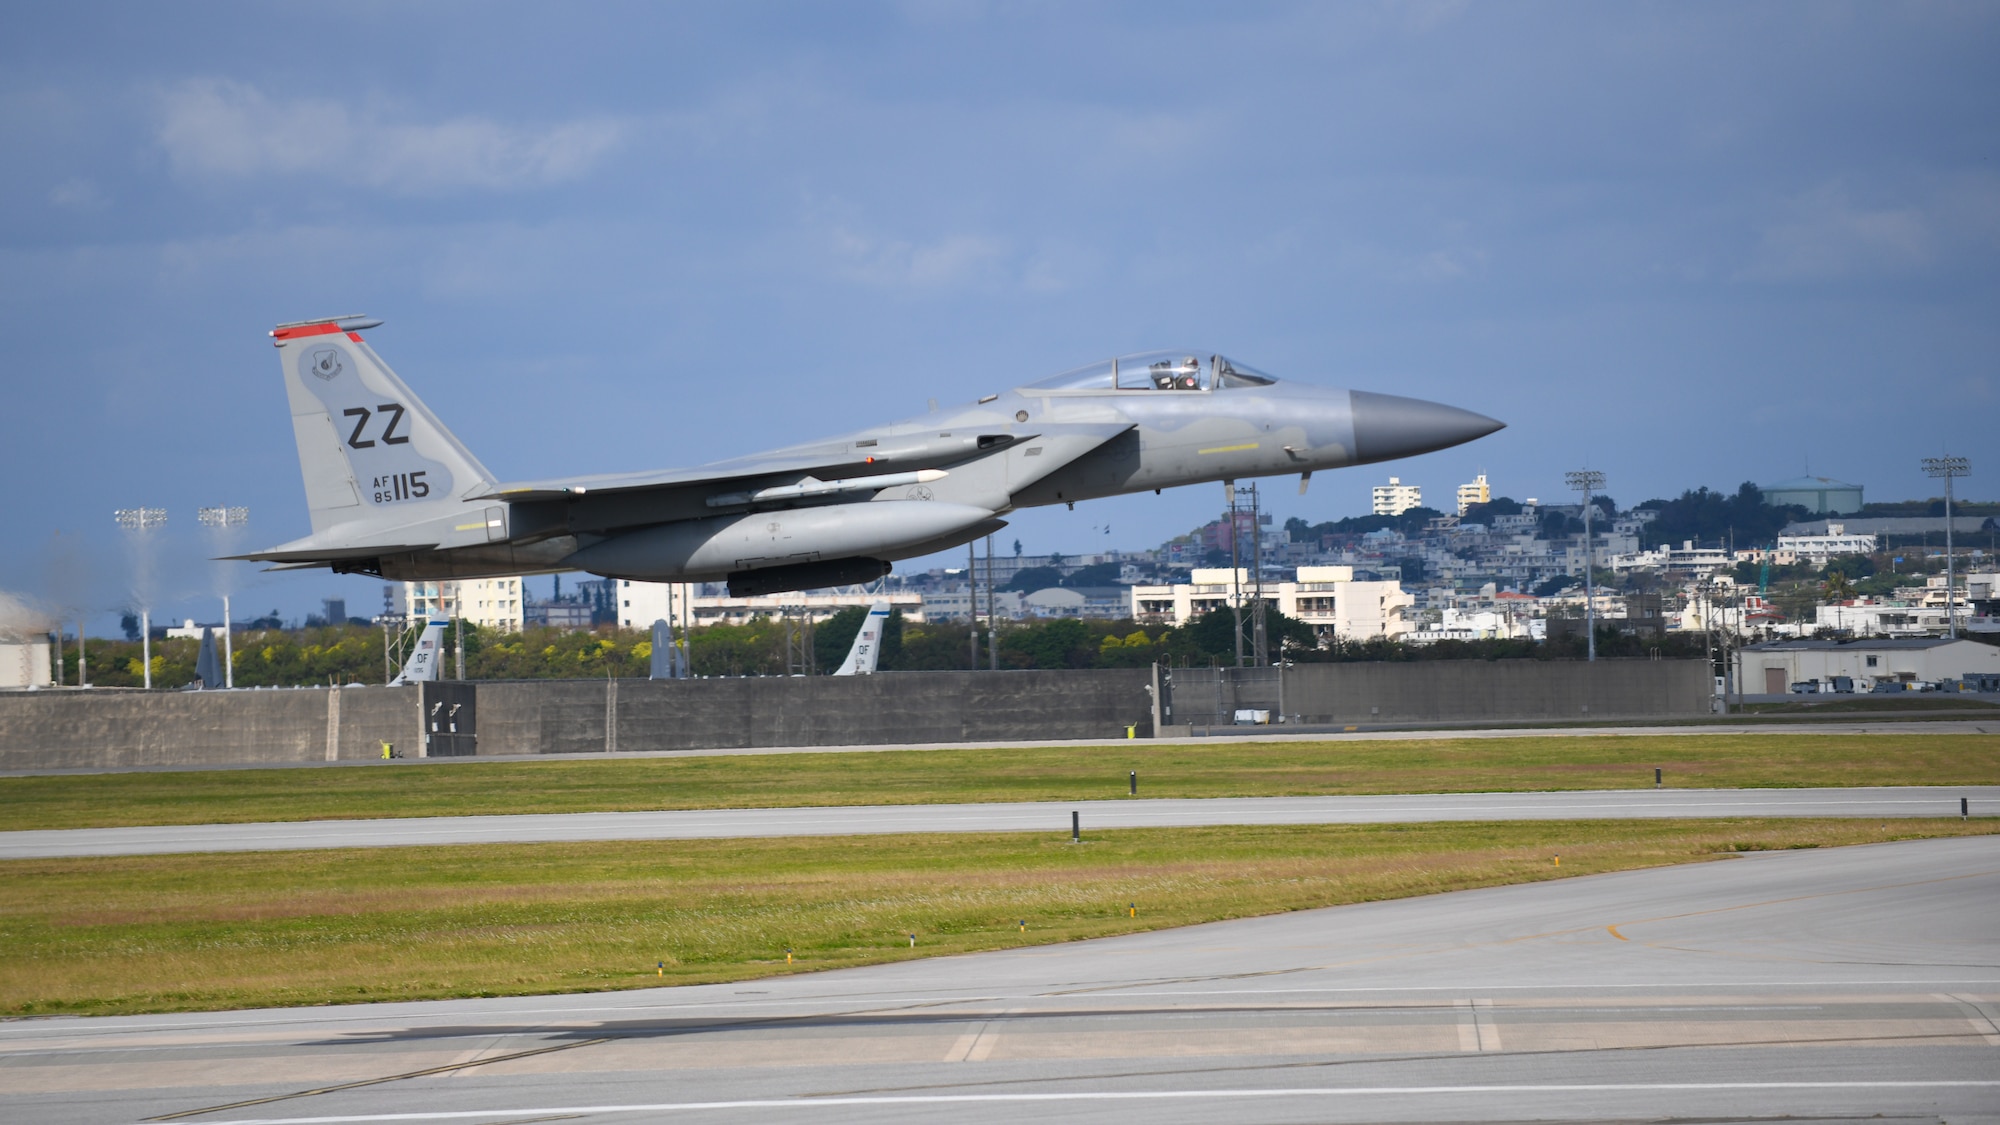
x,y
342,654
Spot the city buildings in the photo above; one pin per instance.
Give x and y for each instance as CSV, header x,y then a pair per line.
x,y
1480,574
1816,549
1773,667
1475,493
489,603
1328,598
1104,603
683,604
954,603
1395,498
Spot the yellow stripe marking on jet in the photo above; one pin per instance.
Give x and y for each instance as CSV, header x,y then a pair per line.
x,y
1228,448
470,526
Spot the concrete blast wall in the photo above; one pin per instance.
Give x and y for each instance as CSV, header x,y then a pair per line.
x,y
1447,691
109,728
540,717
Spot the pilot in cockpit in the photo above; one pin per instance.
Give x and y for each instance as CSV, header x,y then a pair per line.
x,y
1169,375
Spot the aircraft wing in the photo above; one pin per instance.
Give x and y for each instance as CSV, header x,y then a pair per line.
x,y
861,457
858,458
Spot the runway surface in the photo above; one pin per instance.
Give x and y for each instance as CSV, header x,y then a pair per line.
x,y
1049,816
1915,725
1823,985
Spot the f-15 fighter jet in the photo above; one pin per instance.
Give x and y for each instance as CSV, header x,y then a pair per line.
x,y
393,493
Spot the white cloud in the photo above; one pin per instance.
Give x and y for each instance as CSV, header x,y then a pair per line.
x,y
214,128
1827,236
1440,266
78,194
954,259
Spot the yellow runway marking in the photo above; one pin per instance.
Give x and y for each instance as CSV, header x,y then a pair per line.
x,y
1614,933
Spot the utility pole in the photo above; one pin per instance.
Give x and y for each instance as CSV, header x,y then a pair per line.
x,y
1235,573
992,618
1259,643
140,523
1588,481
223,521
972,601
1948,467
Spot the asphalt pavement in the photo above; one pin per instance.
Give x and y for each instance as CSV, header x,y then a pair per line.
x,y
1046,816
1810,985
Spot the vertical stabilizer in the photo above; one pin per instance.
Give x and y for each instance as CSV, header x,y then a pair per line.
x,y
370,450
423,663
867,643
207,665
669,662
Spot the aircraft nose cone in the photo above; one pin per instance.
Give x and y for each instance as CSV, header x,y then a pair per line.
x,y
1390,426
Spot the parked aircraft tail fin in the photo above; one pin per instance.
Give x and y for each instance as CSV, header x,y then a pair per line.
x,y
423,663
867,643
371,452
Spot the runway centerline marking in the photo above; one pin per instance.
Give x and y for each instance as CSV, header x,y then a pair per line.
x,y
1136,1095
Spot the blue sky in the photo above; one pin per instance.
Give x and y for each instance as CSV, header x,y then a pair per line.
x,y
1682,243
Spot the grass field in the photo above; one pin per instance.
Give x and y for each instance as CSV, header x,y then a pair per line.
x,y
160,933
1219,769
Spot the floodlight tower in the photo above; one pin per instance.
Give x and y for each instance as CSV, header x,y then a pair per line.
x,y
1588,481
222,521
140,523
1949,468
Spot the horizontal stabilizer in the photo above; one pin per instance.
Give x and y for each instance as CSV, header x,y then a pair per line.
x,y
325,555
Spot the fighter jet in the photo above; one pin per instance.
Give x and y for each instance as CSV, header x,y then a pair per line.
x,y
393,493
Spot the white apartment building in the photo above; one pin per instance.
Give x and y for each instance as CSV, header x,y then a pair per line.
x,y
1456,624
1475,493
1870,618
1817,549
489,603
1325,597
1395,498
956,604
681,604
1685,559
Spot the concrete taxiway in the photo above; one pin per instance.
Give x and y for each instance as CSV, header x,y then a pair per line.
x,y
1047,816
1816,984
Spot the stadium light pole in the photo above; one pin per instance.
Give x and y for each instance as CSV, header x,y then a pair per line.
x,y
1948,467
222,520
1588,481
139,523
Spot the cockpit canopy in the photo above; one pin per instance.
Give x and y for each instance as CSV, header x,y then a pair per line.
x,y
1182,370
